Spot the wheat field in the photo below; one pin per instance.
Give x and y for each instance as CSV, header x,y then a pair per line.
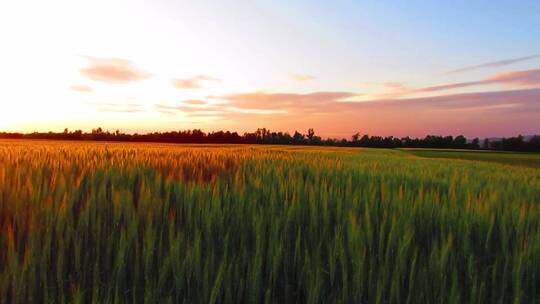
x,y
154,223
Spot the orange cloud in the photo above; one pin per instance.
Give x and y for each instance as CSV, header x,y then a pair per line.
x,y
182,108
195,102
302,77
113,70
192,83
81,88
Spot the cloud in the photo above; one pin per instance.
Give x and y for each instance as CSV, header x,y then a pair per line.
x,y
312,102
81,88
118,110
444,87
111,107
328,102
526,78
113,70
391,85
191,111
390,89
516,78
527,98
302,77
165,112
494,64
194,102
116,104
398,86
192,83
473,114
182,108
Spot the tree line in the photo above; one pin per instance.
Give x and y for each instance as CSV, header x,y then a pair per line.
x,y
265,136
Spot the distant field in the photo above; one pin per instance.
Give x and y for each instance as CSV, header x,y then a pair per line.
x,y
509,158
85,222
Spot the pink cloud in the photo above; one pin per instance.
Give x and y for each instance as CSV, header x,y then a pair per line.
x,y
192,83
325,102
81,88
191,110
394,85
500,113
450,86
119,110
317,101
494,64
113,70
302,77
527,78
194,102
518,78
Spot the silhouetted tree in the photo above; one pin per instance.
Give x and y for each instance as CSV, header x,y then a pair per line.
x,y
298,138
460,142
486,145
475,144
265,136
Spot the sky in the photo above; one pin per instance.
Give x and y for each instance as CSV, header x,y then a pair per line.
x,y
402,68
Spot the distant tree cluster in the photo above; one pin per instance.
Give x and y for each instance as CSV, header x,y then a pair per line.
x,y
265,136
517,143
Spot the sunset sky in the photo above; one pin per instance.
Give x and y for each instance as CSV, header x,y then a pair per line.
x,y
379,67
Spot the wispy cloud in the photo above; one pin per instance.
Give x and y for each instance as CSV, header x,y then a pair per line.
x,y
494,64
116,104
113,70
394,85
183,108
112,107
313,102
165,112
302,77
193,82
518,78
195,102
390,89
391,85
327,102
527,98
190,110
445,87
119,110
81,88
474,114
515,78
